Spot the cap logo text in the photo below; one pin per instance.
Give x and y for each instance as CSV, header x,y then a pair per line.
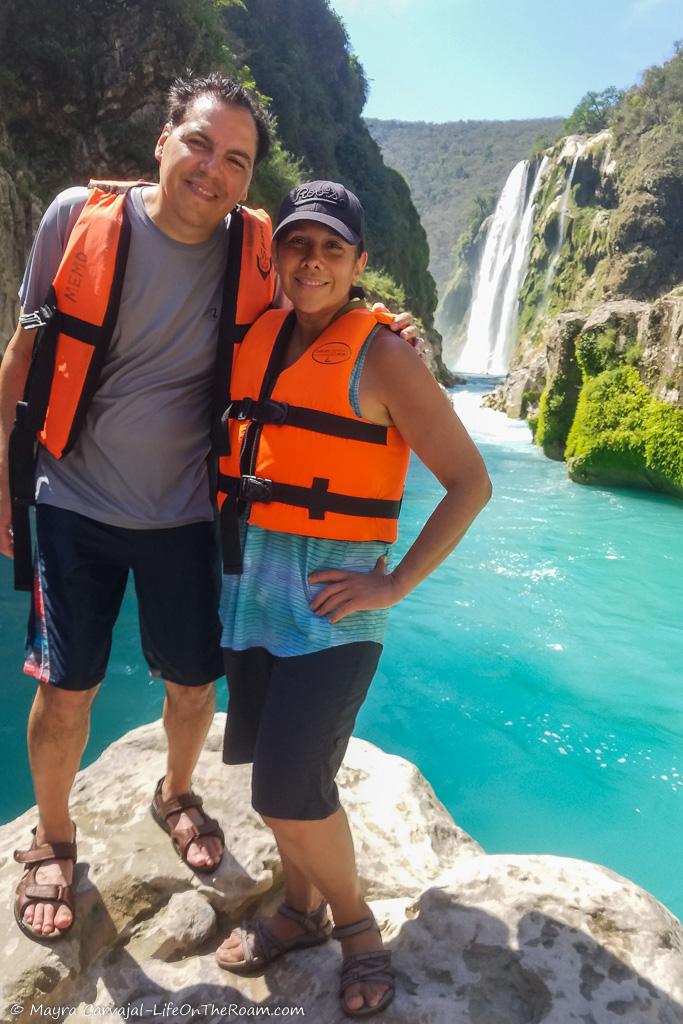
x,y
323,193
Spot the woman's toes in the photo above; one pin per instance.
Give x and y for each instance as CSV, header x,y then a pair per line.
x,y
373,993
230,951
353,998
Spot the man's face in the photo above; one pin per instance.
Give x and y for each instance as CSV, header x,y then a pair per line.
x,y
205,165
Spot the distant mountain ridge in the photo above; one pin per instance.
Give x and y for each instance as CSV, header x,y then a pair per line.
x,y
447,165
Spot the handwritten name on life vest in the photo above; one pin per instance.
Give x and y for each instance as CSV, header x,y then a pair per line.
x,y
74,278
263,259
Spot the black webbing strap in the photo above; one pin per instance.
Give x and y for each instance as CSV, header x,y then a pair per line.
x,y
234,506
228,335
29,418
316,498
21,460
268,411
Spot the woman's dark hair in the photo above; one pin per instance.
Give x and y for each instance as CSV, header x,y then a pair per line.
x,y
184,91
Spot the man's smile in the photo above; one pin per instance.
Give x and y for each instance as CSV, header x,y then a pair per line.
x,y
200,191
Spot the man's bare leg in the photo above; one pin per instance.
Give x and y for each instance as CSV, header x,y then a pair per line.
x,y
319,858
57,734
188,713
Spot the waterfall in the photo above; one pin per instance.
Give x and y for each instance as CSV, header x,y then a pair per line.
x,y
562,227
493,317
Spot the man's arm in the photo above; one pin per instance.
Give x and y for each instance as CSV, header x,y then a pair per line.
x,y
45,256
13,373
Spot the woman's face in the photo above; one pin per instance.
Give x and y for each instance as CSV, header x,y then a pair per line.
x,y
317,267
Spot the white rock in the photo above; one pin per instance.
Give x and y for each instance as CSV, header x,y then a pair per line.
x,y
187,921
476,939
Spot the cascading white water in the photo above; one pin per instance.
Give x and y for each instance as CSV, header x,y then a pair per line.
x,y
491,326
562,226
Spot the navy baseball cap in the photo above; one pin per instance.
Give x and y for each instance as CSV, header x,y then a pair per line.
x,y
326,202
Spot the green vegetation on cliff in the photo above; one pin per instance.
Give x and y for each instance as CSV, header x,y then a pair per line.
x,y
593,112
625,208
622,435
601,300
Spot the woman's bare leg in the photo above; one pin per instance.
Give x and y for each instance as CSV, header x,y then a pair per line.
x,y
318,857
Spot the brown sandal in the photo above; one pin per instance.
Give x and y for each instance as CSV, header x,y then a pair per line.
x,y
181,838
372,966
31,891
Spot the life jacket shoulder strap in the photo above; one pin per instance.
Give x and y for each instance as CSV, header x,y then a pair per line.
x,y
117,187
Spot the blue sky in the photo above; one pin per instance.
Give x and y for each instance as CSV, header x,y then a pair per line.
x,y
449,60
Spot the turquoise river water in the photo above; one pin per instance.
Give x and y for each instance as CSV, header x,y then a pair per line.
x,y
536,678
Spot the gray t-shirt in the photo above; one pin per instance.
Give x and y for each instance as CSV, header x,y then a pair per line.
x,y
141,459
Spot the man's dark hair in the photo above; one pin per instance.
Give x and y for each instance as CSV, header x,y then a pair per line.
x,y
184,91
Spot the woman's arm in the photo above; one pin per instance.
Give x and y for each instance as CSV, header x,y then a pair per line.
x,y
396,388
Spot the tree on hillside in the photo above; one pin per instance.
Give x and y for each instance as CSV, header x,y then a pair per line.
x,y
593,112
657,101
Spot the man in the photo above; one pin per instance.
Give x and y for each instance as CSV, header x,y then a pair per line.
x,y
133,493
132,490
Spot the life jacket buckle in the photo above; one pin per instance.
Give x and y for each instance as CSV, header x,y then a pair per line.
x,y
38,318
255,488
272,412
261,412
245,410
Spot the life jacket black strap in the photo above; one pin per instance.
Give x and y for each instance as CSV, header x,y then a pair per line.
x,y
316,498
82,330
21,459
269,411
231,545
228,333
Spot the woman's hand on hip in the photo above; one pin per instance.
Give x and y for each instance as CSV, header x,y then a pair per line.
x,y
347,592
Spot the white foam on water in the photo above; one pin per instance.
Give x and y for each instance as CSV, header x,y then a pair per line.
x,y
488,425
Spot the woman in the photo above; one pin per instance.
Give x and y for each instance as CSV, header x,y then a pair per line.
x,y
326,405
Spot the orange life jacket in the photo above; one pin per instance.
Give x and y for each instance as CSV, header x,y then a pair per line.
x,y
302,461
87,294
77,322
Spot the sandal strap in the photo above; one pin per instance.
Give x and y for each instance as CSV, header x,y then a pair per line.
x,y
184,836
310,921
367,967
46,851
259,945
175,804
29,891
346,931
46,892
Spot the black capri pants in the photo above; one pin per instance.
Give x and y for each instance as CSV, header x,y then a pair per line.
x,y
293,717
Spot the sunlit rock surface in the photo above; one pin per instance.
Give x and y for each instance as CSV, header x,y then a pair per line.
x,y
477,939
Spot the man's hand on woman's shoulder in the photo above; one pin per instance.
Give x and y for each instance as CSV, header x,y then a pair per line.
x,y
400,323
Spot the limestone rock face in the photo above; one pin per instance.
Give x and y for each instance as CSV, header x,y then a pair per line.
x,y
19,216
476,939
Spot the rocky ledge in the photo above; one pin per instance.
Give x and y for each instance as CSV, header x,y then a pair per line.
x,y
604,391
477,939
